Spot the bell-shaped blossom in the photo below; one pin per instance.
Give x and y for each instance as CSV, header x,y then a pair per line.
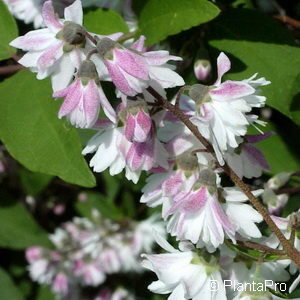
x,y
131,69
57,49
243,221
247,160
115,152
184,274
84,97
60,284
198,216
92,273
223,107
138,123
202,69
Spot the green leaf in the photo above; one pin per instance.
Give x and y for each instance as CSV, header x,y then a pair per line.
x,y
8,32
34,183
260,44
101,203
280,150
104,22
159,19
44,293
8,289
35,136
18,230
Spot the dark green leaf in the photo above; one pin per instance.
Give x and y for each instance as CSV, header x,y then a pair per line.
x,y
8,289
34,183
159,19
104,22
8,32
280,150
35,136
44,293
260,44
18,230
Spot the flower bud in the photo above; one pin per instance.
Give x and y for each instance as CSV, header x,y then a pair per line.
x,y
202,69
275,203
278,180
73,34
105,45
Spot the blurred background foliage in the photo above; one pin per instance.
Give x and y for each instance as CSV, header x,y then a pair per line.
x,y
45,180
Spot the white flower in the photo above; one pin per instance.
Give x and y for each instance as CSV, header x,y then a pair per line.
x,y
222,108
183,274
57,49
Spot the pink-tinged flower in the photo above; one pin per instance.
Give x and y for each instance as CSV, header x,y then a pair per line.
x,y
33,253
202,69
247,160
184,274
276,203
56,50
138,122
84,97
222,109
60,284
131,69
115,152
91,273
198,216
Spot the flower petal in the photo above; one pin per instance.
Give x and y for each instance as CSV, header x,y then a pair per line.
x,y
231,90
74,12
223,64
51,19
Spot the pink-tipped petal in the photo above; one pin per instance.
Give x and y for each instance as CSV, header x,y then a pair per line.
x,y
118,79
138,45
132,63
72,99
159,57
91,103
196,201
34,40
231,90
143,128
129,127
50,56
223,64
51,19
74,12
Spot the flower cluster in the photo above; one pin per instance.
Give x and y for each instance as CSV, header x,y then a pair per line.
x,y
186,177
86,252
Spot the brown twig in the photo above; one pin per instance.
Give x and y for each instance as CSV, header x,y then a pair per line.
x,y
287,246
262,248
292,190
10,69
288,20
